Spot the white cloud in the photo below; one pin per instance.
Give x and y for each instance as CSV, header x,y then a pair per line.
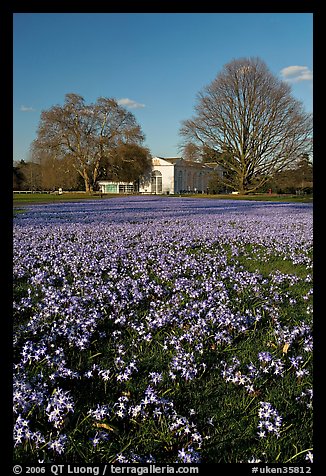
x,y
26,108
296,73
130,103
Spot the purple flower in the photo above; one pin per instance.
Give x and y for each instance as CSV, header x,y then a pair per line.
x,y
97,286
265,357
309,457
99,436
188,455
58,445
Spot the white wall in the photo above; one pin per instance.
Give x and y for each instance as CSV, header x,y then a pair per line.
x,y
167,171
177,176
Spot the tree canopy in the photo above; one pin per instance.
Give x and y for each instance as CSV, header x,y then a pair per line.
x,y
87,137
250,118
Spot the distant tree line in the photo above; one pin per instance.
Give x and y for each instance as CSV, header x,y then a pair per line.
x,y
47,175
33,176
297,179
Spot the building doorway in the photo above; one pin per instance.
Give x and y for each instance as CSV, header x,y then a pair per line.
x,y
156,182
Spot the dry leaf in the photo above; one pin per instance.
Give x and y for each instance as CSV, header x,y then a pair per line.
x,y
285,348
104,425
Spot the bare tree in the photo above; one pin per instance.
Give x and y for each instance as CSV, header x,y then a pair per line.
x,y
250,116
192,152
85,135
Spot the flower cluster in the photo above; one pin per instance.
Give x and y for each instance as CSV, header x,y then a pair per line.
x,y
23,433
306,397
58,407
270,421
252,375
58,445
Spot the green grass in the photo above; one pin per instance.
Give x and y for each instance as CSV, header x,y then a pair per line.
x,y
17,210
274,263
256,197
30,198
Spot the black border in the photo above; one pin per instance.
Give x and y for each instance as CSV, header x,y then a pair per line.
x,y
6,215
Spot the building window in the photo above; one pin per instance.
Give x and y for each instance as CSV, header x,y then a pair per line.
x,y
156,182
111,188
194,182
126,188
180,181
200,182
189,181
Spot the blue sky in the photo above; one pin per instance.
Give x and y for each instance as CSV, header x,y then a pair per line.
x,y
153,63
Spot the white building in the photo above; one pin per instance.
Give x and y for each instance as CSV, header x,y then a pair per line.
x,y
175,175
168,176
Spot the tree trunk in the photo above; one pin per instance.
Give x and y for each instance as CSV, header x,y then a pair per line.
x,y
88,184
242,185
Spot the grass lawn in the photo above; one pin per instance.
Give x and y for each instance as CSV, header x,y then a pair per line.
x,y
30,198
258,197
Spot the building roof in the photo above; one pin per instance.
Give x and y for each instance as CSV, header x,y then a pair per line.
x,y
189,163
192,163
172,160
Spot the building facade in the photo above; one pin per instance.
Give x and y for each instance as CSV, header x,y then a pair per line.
x,y
168,176
176,175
